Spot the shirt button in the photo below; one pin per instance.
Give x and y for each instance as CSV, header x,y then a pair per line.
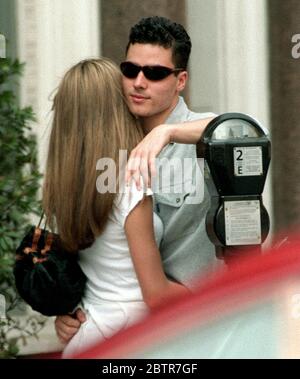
x,y
178,200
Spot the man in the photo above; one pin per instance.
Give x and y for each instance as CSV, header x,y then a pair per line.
x,y
152,94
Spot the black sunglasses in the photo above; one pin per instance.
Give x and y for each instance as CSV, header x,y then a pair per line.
x,y
131,71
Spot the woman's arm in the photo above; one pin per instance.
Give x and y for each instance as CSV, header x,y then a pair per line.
x,y
156,288
141,161
188,132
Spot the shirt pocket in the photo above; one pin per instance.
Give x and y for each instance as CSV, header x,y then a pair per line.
x,y
175,194
177,212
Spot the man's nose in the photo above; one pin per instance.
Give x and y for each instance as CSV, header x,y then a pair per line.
x,y
140,81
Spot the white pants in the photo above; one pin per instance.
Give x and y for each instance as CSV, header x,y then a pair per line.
x,y
87,336
102,321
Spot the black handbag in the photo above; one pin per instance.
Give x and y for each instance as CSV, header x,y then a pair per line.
x,y
47,276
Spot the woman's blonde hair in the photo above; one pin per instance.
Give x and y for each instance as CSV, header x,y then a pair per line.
x,y
91,121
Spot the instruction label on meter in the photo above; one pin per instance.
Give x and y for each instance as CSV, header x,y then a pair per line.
x,y
248,161
242,222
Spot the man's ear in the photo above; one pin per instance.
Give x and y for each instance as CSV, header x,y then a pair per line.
x,y
182,80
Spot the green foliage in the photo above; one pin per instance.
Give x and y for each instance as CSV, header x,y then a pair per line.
x,y
19,183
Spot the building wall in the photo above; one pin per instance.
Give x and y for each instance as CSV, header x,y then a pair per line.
x,y
285,103
52,35
229,62
8,26
117,16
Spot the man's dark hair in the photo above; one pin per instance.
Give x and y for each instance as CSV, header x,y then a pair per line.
x,y
163,32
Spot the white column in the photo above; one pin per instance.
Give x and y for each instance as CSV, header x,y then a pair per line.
x,y
243,57
52,36
229,62
203,67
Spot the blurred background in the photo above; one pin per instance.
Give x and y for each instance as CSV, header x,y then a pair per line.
x,y
245,58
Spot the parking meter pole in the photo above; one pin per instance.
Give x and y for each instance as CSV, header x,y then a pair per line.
x,y
237,156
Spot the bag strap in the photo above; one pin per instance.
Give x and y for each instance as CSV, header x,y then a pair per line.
x,y
35,240
41,219
36,236
49,236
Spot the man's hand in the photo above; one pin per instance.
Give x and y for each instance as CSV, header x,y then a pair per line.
x,y
67,326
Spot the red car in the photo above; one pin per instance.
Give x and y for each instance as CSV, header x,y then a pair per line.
x,y
250,310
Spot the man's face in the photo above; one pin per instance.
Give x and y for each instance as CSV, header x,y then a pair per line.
x,y
152,101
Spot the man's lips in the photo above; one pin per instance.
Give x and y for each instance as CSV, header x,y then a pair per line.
x,y
138,98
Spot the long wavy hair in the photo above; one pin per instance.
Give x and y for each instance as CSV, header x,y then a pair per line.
x,y
91,121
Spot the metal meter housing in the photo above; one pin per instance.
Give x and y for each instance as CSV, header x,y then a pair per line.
x,y
237,153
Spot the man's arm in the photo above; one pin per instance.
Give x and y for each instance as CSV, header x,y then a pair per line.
x,y
67,326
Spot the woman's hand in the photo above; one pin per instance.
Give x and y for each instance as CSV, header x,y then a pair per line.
x,y
141,161
142,158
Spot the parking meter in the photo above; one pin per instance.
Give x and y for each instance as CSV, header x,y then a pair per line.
x,y
237,153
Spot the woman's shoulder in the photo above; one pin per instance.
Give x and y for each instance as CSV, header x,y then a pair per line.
x,y
128,198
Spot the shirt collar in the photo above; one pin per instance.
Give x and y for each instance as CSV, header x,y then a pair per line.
x,y
179,113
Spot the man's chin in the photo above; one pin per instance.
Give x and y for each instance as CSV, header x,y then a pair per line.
x,y
138,111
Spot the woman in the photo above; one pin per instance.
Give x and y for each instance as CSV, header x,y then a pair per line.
x,y
114,232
